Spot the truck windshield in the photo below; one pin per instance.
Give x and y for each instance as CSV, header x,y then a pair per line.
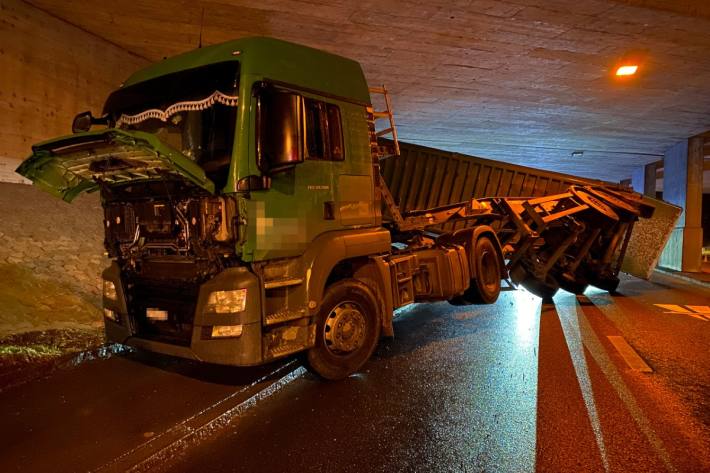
x,y
193,111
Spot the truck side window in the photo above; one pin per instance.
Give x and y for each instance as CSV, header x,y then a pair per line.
x,y
335,133
315,144
324,131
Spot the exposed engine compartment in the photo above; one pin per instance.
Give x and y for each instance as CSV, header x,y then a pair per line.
x,y
169,222
168,237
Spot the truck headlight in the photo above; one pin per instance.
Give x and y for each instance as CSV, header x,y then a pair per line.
x,y
110,291
227,302
224,331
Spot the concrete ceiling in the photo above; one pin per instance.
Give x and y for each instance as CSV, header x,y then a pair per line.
x,y
525,81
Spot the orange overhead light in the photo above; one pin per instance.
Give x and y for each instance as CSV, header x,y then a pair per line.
x,y
627,70
629,65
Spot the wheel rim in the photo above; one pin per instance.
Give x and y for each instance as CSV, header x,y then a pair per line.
x,y
344,329
489,276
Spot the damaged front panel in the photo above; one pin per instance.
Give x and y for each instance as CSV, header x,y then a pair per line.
x,y
67,166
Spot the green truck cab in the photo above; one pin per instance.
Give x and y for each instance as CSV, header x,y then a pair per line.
x,y
242,208
247,219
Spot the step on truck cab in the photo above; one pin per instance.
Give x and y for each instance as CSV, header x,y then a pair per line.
x,y
246,217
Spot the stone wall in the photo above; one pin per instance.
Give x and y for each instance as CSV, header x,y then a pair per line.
x,y
51,258
50,70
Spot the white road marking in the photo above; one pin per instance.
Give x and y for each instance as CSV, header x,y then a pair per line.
x,y
629,354
700,309
699,317
692,310
602,357
673,308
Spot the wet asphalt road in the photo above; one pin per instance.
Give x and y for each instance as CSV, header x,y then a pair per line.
x,y
517,386
83,417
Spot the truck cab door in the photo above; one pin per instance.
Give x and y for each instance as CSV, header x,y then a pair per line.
x,y
329,188
331,137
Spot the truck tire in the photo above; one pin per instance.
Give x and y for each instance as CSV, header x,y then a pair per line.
x,y
575,287
543,289
608,283
485,288
347,330
572,283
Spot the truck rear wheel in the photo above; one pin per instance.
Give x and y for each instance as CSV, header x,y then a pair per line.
x,y
347,330
485,288
572,283
543,289
608,283
575,287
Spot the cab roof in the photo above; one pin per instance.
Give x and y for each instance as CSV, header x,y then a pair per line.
x,y
272,59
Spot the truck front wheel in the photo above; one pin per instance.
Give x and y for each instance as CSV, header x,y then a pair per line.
x,y
347,330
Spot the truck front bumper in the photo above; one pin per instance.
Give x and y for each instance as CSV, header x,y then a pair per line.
x,y
242,350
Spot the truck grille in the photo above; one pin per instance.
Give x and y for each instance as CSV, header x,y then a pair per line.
x,y
178,300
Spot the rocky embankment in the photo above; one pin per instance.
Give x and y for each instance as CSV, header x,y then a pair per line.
x,y
51,258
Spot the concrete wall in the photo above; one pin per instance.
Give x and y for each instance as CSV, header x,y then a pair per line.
x,y
50,252
49,72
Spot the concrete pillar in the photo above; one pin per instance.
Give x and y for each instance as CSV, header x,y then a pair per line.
x,y
683,186
643,180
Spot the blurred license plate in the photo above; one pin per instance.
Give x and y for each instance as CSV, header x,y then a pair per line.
x,y
156,314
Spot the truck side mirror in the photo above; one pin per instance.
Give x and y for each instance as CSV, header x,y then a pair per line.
x,y
83,121
278,124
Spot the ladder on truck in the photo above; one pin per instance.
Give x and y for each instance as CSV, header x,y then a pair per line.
x,y
412,220
380,152
383,152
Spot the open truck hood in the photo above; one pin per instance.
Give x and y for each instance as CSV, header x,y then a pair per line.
x,y
67,166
